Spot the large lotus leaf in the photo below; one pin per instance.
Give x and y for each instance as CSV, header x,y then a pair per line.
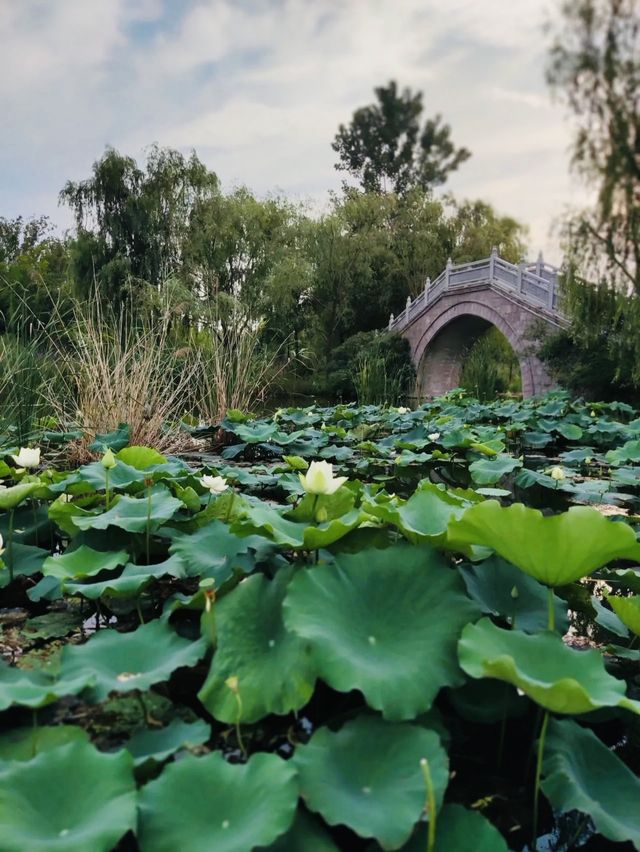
x,y
626,453
83,562
627,578
121,662
115,440
305,835
627,610
214,805
425,516
266,520
273,666
159,744
133,579
581,773
502,589
141,457
459,830
25,559
491,470
210,551
36,688
15,494
72,799
26,743
561,679
368,777
133,514
385,622
555,550
121,476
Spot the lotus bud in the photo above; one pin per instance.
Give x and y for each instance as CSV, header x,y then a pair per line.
x,y
233,683
557,473
27,457
515,594
433,436
108,460
322,515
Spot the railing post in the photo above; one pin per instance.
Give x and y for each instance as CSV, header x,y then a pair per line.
x,y
539,265
447,274
521,266
552,287
407,308
492,263
391,319
427,284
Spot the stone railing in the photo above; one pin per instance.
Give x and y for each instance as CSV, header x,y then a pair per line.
x,y
535,283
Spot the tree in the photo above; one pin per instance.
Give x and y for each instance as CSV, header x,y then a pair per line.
x,y
594,68
385,148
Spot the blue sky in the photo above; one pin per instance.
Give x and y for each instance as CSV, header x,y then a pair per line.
x,y
258,88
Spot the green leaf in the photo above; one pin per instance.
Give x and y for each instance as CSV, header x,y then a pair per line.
x,y
115,440
83,562
295,462
72,798
384,622
25,559
141,457
128,584
159,744
460,830
15,494
559,678
502,589
37,688
26,743
265,520
627,610
490,471
367,776
212,551
216,805
273,666
555,550
581,773
569,431
121,662
626,453
305,835
132,514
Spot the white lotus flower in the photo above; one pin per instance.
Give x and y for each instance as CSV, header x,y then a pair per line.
x,y
214,484
27,457
433,436
402,410
556,473
319,479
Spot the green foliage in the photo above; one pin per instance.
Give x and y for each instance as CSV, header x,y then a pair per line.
x,y
490,366
385,148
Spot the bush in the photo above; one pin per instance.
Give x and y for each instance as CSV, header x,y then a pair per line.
x,y
490,367
372,367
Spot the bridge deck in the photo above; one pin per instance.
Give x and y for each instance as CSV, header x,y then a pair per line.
x,y
534,283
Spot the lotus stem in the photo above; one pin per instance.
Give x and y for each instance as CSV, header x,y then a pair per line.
x,y
10,545
551,610
536,793
148,536
430,805
230,507
139,610
106,489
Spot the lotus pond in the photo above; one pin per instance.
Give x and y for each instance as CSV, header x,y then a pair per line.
x,y
432,645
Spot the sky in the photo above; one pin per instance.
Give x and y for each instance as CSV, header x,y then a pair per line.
x,y
259,87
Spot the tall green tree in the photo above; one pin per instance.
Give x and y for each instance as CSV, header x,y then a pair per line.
x,y
594,68
386,148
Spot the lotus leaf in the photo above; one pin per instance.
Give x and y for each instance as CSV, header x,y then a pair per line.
x,y
159,744
491,470
141,458
305,835
266,520
38,688
133,514
71,799
627,610
273,666
229,808
384,622
83,562
555,550
26,743
25,559
15,494
210,551
121,662
559,678
459,830
367,776
581,773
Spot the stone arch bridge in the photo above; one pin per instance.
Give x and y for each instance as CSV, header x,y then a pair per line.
x,y
463,302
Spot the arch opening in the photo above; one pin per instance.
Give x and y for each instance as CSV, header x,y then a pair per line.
x,y
472,352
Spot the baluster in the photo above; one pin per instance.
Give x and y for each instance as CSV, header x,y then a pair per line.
x,y
407,308
521,267
492,263
427,284
539,265
447,274
391,319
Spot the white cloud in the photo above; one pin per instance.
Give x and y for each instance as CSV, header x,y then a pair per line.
x,y
259,88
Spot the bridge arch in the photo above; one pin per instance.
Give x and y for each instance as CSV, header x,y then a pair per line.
x,y
446,336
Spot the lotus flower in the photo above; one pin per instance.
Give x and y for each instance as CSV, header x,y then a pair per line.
x,y
27,457
108,460
319,479
556,473
214,484
433,436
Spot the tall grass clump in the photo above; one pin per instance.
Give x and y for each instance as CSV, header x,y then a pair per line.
x,y
25,372
121,367
236,370
490,366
